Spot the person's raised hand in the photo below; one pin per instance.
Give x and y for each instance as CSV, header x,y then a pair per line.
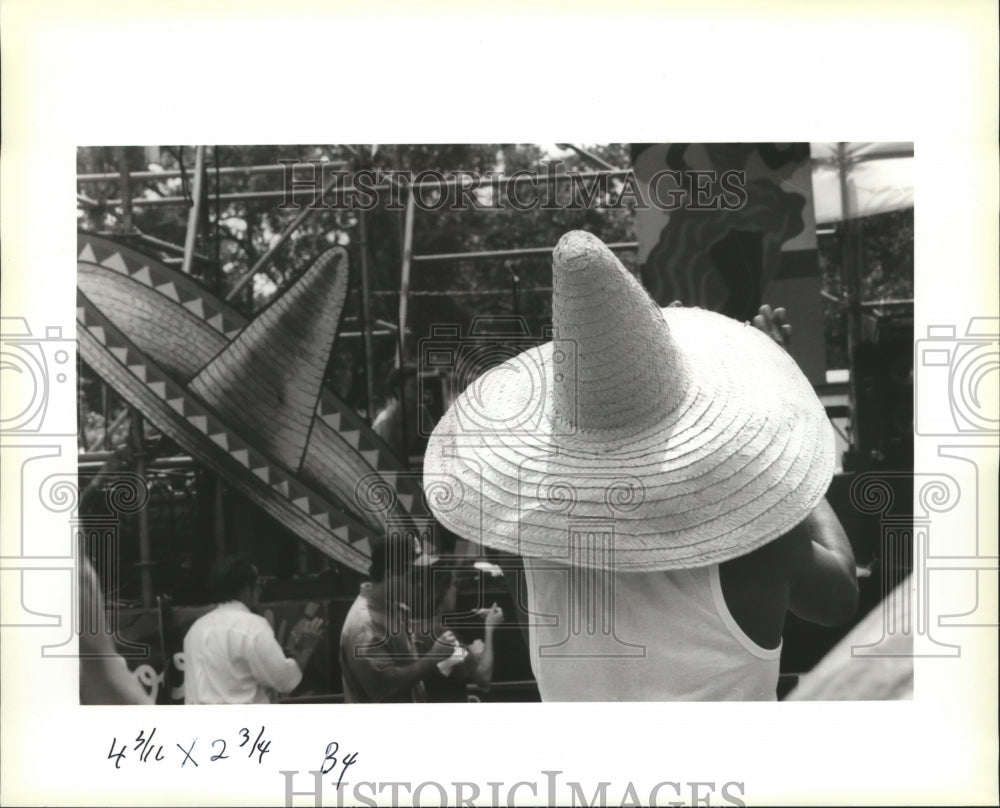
x,y
493,616
311,633
774,323
444,645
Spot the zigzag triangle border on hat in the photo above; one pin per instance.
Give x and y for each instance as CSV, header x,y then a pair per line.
x,y
336,426
188,421
181,290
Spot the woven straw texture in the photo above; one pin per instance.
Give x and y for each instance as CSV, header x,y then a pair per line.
x,y
246,399
642,439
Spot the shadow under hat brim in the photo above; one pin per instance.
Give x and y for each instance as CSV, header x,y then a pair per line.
x,y
742,458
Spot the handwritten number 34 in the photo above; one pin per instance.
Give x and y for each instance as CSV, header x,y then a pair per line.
x,y
330,761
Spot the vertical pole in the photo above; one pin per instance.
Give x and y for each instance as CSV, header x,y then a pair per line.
x,y
404,278
81,412
850,269
366,317
142,517
219,518
194,215
124,190
106,412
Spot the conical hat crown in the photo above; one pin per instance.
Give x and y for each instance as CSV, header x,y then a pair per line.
x,y
710,431
627,370
267,381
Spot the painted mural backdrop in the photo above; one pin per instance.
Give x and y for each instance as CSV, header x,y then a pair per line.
x,y
730,226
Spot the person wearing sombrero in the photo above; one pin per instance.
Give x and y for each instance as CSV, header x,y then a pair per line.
x,y
661,472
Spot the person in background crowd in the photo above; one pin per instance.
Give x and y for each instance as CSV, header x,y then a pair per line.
x,y
398,423
468,664
104,675
378,660
231,654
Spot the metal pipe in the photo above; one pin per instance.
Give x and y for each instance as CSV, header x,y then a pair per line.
x,y
381,332
106,412
194,215
590,156
219,518
404,275
458,293
479,254
160,244
145,554
88,459
498,182
874,304
851,274
124,188
277,245
366,315
223,170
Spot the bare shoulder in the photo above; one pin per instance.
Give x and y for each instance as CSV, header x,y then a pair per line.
x,y
780,558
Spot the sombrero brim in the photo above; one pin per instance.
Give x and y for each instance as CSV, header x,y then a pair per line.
x,y
155,329
742,459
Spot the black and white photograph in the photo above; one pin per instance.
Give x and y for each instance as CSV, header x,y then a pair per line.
x,y
454,466
326,372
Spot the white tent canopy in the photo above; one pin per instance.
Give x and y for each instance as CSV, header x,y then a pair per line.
x,y
879,179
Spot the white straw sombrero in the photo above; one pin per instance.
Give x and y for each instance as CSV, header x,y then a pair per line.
x,y
246,398
640,438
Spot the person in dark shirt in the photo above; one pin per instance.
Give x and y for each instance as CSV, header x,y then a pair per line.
x,y
378,660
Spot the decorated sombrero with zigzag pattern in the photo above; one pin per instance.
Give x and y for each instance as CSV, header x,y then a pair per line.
x,y
246,398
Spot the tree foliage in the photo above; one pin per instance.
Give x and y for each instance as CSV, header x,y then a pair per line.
x,y
234,234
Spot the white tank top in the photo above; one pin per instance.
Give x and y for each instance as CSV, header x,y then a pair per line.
x,y
668,637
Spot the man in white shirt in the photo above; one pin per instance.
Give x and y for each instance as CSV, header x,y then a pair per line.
x,y
231,655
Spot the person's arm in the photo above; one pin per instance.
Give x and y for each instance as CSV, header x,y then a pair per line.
x,y
306,642
482,675
516,584
823,584
268,662
383,679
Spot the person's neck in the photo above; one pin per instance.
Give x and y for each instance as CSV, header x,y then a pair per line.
x,y
246,599
379,592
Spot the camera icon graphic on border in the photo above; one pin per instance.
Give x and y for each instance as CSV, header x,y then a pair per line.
x,y
511,400
32,369
959,379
